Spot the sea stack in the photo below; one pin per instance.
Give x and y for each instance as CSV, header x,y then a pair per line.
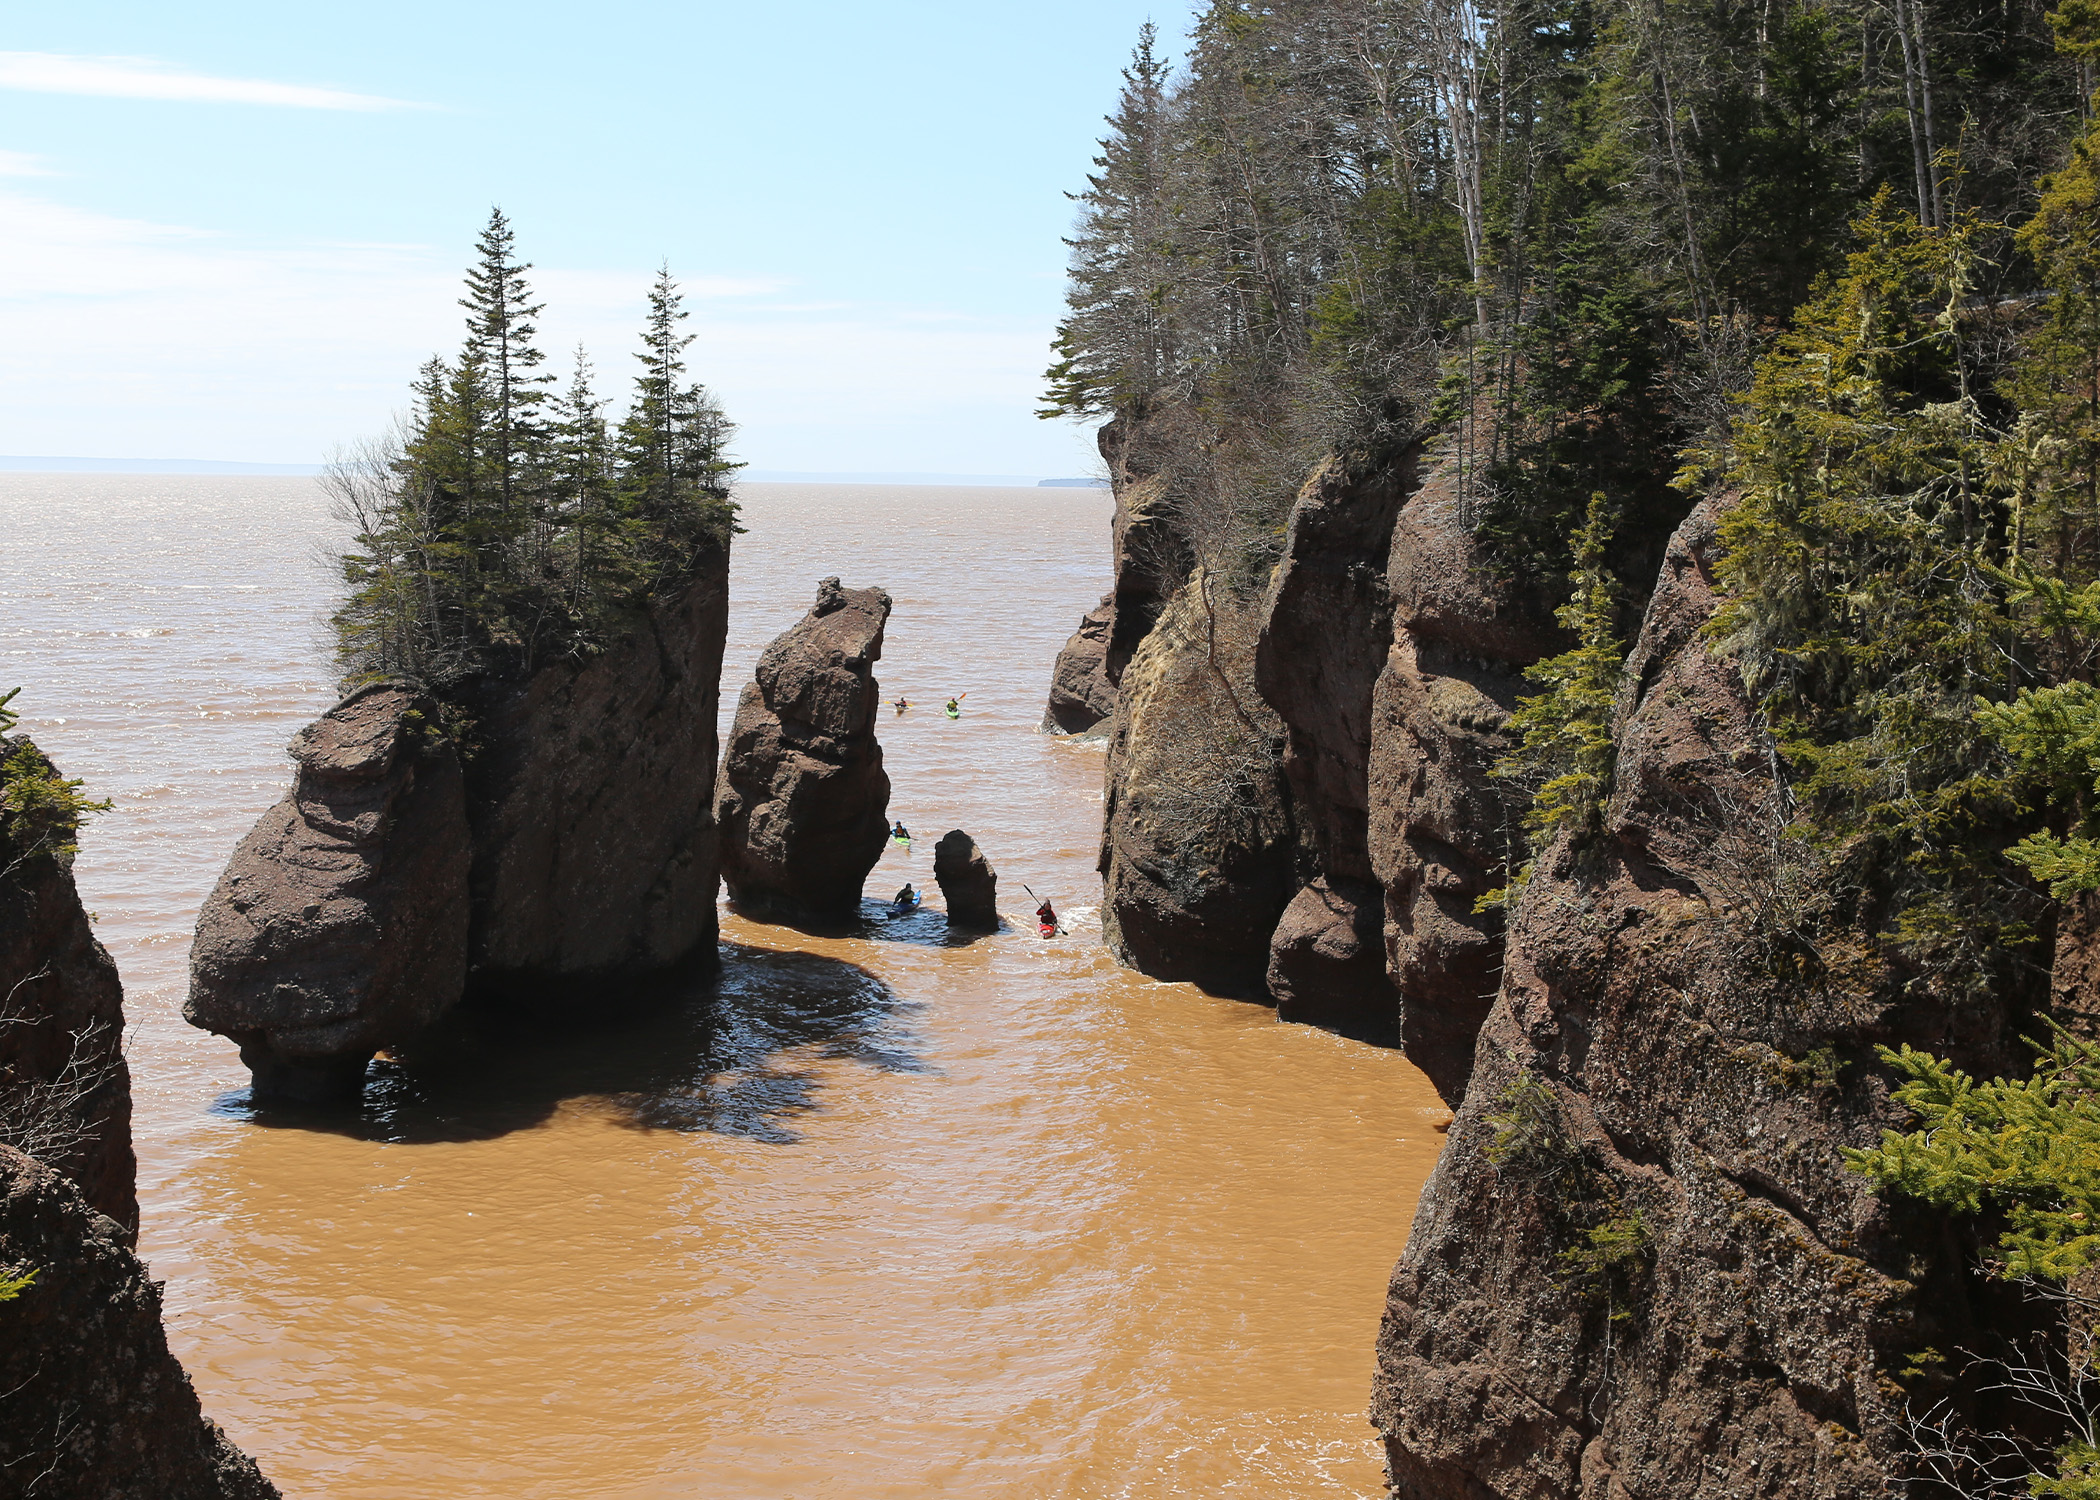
x,y
565,856
803,803
340,925
968,883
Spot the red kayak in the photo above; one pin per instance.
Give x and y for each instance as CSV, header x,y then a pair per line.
x,y
1047,929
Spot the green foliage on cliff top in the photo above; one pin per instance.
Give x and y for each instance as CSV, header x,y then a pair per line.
x,y
504,523
1592,214
40,810
14,1283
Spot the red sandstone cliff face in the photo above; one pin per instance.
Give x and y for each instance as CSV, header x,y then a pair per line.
x,y
1196,844
92,1404
96,1408
65,1091
591,801
1441,826
1744,1339
339,927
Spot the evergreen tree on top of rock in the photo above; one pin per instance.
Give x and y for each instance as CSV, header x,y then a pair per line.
x,y
500,524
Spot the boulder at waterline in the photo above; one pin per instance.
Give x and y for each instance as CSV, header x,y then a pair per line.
x,y
1081,696
340,925
803,801
1327,961
968,882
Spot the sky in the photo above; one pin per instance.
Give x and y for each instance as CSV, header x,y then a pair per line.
x,y
233,230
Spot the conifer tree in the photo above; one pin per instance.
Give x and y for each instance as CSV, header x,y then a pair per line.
x,y
673,442
500,329
1118,343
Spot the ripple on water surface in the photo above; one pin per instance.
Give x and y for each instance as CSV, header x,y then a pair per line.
x,y
873,1214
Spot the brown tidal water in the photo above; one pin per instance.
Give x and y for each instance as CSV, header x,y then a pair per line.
x,y
873,1215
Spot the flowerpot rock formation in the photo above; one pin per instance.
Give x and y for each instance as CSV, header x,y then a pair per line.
x,y
803,801
566,857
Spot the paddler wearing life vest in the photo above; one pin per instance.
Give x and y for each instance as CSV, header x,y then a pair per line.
x,y
1046,918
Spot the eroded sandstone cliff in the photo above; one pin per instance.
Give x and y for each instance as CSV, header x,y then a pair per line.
x,y
65,1090
552,848
92,1404
1642,1266
803,800
96,1407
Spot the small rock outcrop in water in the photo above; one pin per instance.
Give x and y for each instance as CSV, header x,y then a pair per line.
x,y
340,926
97,1408
968,883
65,1092
575,848
1081,695
803,800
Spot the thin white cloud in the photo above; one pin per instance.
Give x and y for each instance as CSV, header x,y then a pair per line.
x,y
121,337
144,78
22,164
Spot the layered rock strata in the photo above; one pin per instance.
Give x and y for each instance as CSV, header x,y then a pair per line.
x,y
65,1089
97,1408
566,854
591,800
803,800
340,925
969,885
1081,695
1647,1075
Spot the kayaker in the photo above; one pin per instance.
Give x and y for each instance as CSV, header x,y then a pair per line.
x,y
901,834
902,704
954,709
906,898
1046,917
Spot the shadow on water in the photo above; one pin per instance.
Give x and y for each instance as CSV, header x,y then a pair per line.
x,y
731,1054
875,922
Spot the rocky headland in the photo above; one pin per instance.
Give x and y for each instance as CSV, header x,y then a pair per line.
x,y
552,852
1624,1074
803,799
96,1407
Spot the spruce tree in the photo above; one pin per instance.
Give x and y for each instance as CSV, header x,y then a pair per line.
x,y
1118,343
673,442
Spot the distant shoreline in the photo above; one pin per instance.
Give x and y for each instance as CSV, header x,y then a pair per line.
x,y
19,464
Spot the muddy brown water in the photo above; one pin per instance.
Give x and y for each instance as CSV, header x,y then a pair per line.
x,y
877,1214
